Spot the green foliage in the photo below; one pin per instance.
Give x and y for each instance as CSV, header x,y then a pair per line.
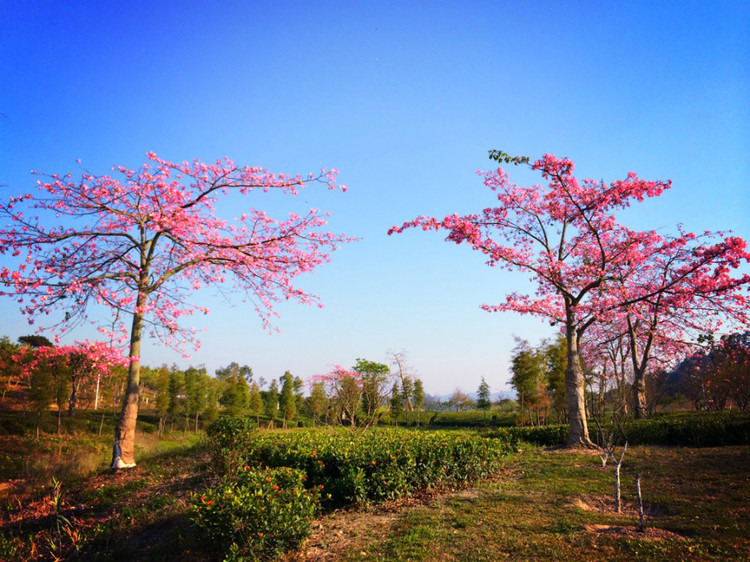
x,y
483,396
397,404
376,464
470,418
318,401
546,435
530,381
196,389
236,395
502,157
226,438
287,400
688,429
259,513
691,429
255,407
271,400
374,377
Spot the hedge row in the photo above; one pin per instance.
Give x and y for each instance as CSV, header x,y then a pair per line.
x,y
375,464
271,483
471,418
688,429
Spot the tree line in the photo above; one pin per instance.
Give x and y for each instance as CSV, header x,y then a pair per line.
x,y
715,376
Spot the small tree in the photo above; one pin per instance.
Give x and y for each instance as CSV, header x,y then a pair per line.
x,y
256,402
10,371
196,393
407,394
236,394
287,401
418,397
318,402
529,380
397,403
374,377
460,400
162,396
41,391
344,389
271,402
483,396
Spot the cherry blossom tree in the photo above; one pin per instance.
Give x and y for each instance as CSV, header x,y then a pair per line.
x,y
588,268
344,389
683,286
82,363
139,241
566,237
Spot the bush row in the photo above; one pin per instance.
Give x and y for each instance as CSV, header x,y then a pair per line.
x,y
272,483
471,418
377,464
688,429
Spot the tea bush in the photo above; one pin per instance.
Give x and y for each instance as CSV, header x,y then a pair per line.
x,y
687,429
225,438
691,429
376,464
258,513
471,418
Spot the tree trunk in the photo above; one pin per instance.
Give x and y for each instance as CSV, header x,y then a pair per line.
x,y
122,451
578,434
640,408
73,398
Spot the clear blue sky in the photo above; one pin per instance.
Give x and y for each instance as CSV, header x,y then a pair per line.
x,y
405,98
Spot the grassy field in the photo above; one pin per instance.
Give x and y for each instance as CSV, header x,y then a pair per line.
x,y
543,504
557,505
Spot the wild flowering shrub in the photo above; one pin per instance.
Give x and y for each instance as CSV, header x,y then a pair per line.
x,y
259,513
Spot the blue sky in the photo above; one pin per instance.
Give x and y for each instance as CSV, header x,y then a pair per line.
x,y
405,98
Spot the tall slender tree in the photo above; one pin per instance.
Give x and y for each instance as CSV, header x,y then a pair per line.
x,y
483,396
287,400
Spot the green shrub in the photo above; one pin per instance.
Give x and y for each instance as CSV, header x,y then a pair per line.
x,y
376,464
687,429
690,429
545,436
258,513
225,442
471,418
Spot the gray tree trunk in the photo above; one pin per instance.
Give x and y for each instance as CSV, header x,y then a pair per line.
x,y
124,445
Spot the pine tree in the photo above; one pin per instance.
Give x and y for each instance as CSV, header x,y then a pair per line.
x,y
397,403
256,402
483,396
287,402
418,397
272,402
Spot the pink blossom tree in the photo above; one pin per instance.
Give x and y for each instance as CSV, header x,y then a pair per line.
x,y
82,363
588,268
344,389
140,242
566,237
682,287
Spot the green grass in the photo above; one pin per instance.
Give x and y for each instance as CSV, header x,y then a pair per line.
x,y
542,505
541,509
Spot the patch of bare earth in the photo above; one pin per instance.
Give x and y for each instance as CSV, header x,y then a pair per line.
x,y
607,505
353,529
